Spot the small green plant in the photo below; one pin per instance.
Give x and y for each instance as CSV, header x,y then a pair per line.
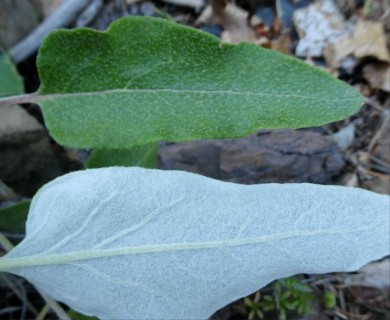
x,y
330,299
132,243
289,294
255,307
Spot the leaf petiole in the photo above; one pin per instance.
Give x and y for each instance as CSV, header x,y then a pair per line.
x,y
19,99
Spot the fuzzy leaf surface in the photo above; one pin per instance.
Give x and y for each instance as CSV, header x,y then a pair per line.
x,y
147,80
132,243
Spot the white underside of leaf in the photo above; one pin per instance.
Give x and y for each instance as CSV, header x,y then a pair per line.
x,y
131,243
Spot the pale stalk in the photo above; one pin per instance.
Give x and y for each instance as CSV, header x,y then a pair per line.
x,y
13,100
54,305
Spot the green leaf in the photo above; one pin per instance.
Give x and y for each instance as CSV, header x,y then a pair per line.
x,y
10,81
298,285
330,299
282,313
145,156
133,243
285,295
13,218
291,305
269,307
79,316
147,80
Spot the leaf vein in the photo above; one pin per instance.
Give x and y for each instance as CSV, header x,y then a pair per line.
x,y
185,91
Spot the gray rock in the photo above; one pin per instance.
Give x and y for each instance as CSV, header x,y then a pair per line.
x,y
6,193
272,156
26,157
17,19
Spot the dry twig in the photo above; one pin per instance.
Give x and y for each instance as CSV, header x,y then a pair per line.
x,y
64,15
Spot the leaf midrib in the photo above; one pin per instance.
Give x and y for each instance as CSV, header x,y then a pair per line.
x,y
40,97
41,260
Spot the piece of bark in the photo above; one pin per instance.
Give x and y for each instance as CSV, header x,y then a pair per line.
x,y
273,156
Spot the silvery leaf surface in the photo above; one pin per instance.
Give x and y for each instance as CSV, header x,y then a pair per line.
x,y
132,243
